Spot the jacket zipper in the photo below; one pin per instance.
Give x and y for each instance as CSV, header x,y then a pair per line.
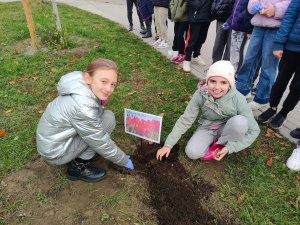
x,y
195,14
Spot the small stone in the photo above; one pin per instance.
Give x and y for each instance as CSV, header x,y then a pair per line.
x,y
3,184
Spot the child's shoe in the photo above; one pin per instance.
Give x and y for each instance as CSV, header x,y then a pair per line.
x,y
178,59
256,106
80,169
163,44
172,53
211,151
278,121
186,66
293,162
199,61
295,133
157,42
266,116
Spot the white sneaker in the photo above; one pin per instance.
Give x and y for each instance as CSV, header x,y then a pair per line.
x,y
186,66
293,162
199,61
163,44
256,106
157,42
173,53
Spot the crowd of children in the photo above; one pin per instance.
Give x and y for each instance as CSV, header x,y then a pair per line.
x,y
75,128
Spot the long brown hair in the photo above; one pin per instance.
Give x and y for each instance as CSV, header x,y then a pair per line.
x,y
101,63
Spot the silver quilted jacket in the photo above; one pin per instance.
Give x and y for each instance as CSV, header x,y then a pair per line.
x,y
76,111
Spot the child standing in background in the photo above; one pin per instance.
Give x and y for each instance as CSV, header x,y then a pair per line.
x,y
226,124
266,21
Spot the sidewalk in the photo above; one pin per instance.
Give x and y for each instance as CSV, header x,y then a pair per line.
x,y
115,10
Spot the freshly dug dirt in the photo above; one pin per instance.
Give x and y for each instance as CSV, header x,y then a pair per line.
x,y
175,196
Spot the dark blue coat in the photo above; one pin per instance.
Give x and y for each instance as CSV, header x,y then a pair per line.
x,y
288,35
199,10
221,9
161,3
146,9
240,18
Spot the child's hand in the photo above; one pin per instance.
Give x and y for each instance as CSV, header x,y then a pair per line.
x,y
220,154
278,54
163,151
129,165
269,11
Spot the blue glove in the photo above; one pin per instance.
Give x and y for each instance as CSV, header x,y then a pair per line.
x,y
225,26
256,8
129,165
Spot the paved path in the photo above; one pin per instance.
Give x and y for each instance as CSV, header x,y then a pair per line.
x,y
116,10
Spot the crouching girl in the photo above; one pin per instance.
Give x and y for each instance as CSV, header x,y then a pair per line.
x,y
226,124
75,128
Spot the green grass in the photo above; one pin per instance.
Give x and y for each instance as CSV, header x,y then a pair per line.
x,y
28,83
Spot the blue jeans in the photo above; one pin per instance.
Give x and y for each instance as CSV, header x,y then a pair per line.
x,y
260,48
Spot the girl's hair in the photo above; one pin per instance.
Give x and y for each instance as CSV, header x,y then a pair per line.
x,y
101,63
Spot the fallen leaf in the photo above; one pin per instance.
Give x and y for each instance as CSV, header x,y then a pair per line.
x,y
2,133
269,162
16,138
298,179
245,153
160,94
9,111
278,135
279,190
73,60
240,199
131,93
270,133
12,82
40,111
35,78
281,143
161,114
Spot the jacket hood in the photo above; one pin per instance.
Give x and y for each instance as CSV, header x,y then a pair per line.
x,y
73,83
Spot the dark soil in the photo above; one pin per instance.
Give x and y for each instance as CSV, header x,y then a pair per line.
x,y
175,196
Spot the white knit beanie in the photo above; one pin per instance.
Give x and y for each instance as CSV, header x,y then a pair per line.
x,y
222,69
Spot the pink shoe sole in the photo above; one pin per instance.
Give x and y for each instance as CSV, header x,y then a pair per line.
x,y
211,151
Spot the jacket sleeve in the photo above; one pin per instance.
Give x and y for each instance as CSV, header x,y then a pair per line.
x,y
253,128
251,4
89,126
286,26
186,120
280,9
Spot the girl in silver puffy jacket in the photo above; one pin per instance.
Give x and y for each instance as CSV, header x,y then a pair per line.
x,y
75,128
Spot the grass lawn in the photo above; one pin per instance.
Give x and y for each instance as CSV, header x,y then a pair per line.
x,y
255,184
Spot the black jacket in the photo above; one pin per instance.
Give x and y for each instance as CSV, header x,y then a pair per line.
x,y
221,9
161,3
199,10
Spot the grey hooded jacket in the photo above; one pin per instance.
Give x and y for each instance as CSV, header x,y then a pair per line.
x,y
76,111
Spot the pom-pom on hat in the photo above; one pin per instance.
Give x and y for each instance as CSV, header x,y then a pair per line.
x,y
223,69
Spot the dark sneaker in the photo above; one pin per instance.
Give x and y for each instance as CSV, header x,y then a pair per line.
x,y
82,170
148,34
266,116
143,30
295,133
277,121
130,28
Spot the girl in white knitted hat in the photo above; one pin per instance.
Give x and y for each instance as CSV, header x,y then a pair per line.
x,y
226,124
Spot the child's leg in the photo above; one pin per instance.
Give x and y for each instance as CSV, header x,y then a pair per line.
x,y
129,11
253,56
193,34
234,129
77,148
182,27
289,64
198,144
220,42
269,64
162,18
203,29
237,39
156,21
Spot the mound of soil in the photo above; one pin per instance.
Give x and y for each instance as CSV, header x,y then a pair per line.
x,y
175,196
